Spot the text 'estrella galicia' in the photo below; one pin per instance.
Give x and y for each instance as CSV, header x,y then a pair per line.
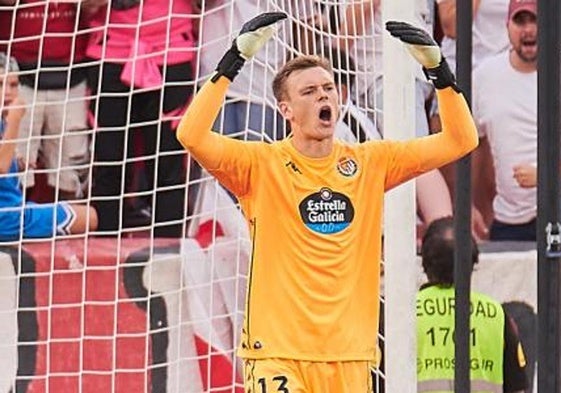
x,y
326,212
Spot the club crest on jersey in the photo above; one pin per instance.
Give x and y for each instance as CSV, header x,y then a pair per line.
x,y
347,166
327,212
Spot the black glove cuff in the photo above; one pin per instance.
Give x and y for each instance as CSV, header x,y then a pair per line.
x,y
441,76
230,64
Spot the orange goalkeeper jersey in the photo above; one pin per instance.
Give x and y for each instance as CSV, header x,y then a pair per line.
x,y
313,284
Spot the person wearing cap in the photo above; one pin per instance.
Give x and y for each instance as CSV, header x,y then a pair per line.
x,y
20,219
497,360
505,111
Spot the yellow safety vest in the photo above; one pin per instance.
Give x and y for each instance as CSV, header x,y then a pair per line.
x,y
435,342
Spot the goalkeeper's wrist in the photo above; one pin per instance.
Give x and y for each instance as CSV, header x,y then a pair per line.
x,y
441,76
230,64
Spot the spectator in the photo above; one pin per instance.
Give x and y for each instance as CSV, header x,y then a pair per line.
x,y
250,106
497,359
20,219
47,40
488,33
505,111
143,80
360,32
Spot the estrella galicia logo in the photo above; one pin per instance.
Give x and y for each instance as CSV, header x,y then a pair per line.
x,y
327,212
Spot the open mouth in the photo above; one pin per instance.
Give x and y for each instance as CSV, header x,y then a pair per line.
x,y
529,43
325,113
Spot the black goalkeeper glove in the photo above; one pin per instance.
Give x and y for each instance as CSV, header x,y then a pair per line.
x,y
426,51
254,34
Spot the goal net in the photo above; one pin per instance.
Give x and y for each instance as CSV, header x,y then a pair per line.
x,y
152,301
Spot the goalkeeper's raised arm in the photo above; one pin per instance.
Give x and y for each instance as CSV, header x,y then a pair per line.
x,y
194,129
459,134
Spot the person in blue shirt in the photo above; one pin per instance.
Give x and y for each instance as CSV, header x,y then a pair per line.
x,y
20,219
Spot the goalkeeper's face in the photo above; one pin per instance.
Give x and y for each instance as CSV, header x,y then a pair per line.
x,y
311,103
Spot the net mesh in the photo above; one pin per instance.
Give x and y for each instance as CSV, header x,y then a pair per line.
x,y
152,301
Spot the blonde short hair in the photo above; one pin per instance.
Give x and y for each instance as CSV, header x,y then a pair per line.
x,y
297,64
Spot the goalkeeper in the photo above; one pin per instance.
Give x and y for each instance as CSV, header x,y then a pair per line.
x,y
314,208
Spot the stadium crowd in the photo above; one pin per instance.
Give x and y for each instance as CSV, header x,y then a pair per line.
x,y
104,83
93,91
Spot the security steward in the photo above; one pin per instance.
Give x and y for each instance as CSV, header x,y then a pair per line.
x,y
497,360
